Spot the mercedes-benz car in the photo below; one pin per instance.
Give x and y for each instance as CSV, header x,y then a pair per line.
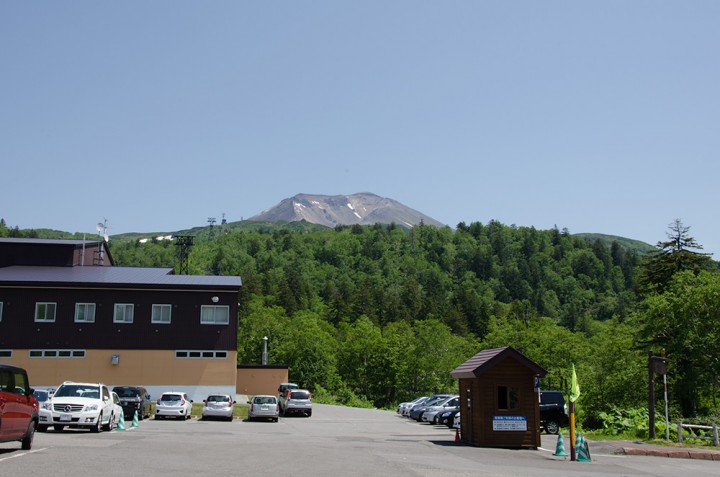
x,y
82,405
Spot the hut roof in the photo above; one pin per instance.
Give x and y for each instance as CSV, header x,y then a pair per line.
x,y
487,359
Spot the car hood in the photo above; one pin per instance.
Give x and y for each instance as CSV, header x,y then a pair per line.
x,y
76,400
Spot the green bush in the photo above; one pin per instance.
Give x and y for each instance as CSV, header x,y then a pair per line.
x,y
632,423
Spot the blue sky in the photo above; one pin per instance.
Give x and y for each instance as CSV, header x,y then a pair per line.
x,y
597,116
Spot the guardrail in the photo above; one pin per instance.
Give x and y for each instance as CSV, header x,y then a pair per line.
x,y
714,428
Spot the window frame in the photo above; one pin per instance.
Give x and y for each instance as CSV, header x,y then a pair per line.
x,y
124,320
45,304
85,305
161,307
215,308
509,396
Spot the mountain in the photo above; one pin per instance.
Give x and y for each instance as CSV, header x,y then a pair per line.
x,y
330,210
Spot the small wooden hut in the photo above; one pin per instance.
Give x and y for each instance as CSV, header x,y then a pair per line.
x,y
499,399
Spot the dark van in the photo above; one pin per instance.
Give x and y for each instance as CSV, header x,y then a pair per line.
x,y
18,407
134,398
553,412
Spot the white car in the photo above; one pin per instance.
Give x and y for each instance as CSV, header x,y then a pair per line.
x,y
87,405
173,404
119,412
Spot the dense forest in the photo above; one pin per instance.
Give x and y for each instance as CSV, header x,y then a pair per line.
x,y
382,314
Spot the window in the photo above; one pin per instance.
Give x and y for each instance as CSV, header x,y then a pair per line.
x,y
45,311
84,312
123,313
56,353
161,313
201,354
5,353
215,314
507,397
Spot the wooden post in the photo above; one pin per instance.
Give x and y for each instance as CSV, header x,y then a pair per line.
x,y
680,434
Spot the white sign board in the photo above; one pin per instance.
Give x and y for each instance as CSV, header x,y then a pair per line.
x,y
509,423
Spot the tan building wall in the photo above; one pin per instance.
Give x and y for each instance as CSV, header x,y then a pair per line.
x,y
135,367
254,380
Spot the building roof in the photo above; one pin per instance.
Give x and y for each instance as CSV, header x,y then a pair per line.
x,y
35,241
115,276
487,359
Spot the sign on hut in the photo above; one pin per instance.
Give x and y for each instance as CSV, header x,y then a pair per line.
x,y
499,399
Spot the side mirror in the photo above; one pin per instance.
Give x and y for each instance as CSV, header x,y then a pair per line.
x,y
29,392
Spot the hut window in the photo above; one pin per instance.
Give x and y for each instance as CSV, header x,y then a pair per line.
x,y
507,397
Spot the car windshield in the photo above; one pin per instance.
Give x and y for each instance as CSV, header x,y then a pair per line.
x,y
41,396
218,399
170,397
299,395
127,392
78,390
264,400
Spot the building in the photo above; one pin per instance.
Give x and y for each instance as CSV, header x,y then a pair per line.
x,y
499,399
68,313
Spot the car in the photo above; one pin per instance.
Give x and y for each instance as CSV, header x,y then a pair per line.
x,y
134,399
18,407
553,411
418,410
263,406
44,414
173,404
218,405
296,401
403,406
284,387
119,411
448,417
431,412
82,405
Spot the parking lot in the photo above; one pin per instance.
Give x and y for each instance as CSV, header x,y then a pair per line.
x,y
334,441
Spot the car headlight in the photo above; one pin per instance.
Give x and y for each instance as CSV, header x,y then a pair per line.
x,y
47,406
92,407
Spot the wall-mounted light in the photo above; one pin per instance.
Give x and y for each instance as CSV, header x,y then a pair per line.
x,y
115,360
215,299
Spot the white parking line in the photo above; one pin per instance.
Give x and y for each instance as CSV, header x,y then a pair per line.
x,y
22,454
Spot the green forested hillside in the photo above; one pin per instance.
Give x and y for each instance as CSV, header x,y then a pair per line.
x,y
382,314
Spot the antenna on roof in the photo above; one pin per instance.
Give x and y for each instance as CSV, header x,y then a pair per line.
x,y
184,243
102,230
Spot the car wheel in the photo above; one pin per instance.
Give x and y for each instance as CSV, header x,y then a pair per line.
x,y
98,426
26,443
552,426
275,419
109,425
58,428
308,414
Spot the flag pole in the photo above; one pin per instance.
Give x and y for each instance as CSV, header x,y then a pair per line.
x,y
574,395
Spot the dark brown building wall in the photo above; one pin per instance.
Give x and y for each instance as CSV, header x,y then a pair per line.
x,y
477,421
18,328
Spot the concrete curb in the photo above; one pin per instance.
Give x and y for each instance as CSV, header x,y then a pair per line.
x,y
659,451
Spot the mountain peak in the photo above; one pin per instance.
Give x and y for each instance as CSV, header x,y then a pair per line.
x,y
363,208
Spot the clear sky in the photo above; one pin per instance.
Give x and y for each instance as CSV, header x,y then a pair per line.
x,y
598,116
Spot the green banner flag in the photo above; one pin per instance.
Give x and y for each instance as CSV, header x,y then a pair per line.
x,y
574,386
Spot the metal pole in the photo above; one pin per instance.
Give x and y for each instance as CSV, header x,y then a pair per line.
x,y
651,397
667,422
264,355
572,431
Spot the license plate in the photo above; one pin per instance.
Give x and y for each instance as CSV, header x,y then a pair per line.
x,y
65,417
264,408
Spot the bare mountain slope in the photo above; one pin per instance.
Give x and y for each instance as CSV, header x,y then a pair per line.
x,y
330,210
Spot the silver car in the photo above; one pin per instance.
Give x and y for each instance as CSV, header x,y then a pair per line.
x,y
296,401
218,405
263,406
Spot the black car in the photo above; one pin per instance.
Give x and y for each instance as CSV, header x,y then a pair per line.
x,y
553,413
134,398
